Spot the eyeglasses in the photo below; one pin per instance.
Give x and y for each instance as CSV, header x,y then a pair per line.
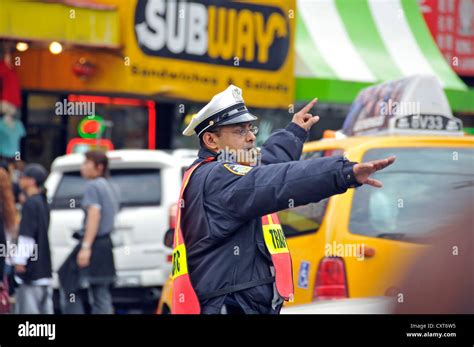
x,y
244,132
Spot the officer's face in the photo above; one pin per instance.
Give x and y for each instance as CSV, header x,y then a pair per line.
x,y
232,137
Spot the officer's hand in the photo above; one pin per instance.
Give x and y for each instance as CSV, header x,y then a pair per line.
x,y
305,119
362,171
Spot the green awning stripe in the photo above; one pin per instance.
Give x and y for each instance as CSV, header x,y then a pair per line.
x,y
327,90
343,92
308,53
363,33
461,100
428,46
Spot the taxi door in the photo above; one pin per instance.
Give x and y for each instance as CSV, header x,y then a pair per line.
x,y
387,230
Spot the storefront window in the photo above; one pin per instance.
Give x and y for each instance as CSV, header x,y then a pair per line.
x,y
49,132
126,125
45,135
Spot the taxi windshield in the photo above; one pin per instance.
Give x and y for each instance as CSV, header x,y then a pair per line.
x,y
426,190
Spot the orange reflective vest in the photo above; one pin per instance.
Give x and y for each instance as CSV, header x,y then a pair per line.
x,y
185,300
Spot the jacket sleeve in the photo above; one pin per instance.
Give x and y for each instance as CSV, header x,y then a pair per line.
x,y
271,188
284,145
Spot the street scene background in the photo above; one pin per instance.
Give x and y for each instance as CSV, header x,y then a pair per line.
x,y
392,77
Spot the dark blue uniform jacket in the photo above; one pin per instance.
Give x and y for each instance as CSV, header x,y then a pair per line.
x,y
222,216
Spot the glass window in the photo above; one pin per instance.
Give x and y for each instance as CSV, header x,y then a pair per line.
x,y
126,126
302,219
69,192
137,187
424,191
45,130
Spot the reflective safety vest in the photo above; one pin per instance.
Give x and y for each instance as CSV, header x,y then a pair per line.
x,y
185,300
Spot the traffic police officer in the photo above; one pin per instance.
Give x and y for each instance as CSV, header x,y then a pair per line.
x,y
228,264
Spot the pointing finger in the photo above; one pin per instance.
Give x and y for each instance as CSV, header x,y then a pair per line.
x,y
364,168
383,163
380,164
391,159
374,183
309,106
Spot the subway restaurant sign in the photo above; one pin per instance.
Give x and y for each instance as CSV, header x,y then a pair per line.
x,y
183,50
203,46
232,34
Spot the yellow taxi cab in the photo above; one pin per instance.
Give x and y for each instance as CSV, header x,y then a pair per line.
x,y
360,243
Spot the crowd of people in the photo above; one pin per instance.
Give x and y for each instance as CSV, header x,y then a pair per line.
x,y
85,277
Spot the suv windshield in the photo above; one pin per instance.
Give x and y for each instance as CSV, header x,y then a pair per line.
x,y
136,187
425,190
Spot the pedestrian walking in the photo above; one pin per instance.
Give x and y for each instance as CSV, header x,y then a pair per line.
x,y
89,271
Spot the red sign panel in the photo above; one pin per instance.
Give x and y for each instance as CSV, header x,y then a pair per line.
x,y
451,23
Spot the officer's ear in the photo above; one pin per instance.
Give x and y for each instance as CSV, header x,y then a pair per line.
x,y
209,140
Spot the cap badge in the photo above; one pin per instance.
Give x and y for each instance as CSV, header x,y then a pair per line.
x,y
237,93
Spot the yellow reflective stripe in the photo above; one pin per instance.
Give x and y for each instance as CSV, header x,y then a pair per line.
x,y
274,238
180,265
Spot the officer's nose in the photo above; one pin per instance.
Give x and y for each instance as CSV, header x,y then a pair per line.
x,y
251,137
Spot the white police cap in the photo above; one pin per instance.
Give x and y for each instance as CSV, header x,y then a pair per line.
x,y
225,108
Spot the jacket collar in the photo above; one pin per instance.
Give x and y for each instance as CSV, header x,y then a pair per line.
x,y
205,153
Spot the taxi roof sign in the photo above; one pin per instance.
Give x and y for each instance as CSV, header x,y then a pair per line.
x,y
410,106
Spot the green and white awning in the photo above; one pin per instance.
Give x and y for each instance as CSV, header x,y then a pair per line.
x,y
365,42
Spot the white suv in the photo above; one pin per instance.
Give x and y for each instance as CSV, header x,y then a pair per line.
x,y
149,183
